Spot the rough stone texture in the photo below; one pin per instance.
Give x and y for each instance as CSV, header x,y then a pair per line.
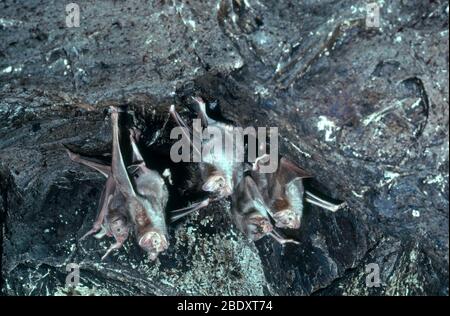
x,y
365,109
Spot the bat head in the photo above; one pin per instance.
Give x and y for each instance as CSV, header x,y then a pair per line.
x,y
287,219
120,229
284,213
217,184
153,242
257,226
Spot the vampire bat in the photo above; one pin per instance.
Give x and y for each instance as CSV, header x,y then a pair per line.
x,y
112,219
251,213
137,193
220,171
284,192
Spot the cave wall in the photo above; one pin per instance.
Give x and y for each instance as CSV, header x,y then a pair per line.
x,y
364,109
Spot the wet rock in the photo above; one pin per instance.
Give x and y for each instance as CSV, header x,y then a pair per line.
x,y
364,109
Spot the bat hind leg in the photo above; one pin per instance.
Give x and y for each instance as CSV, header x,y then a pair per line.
x,y
134,136
314,199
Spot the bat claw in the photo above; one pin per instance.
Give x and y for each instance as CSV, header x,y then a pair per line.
x,y
153,243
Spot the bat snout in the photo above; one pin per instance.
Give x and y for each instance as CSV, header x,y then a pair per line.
x,y
287,219
258,227
153,243
217,183
119,229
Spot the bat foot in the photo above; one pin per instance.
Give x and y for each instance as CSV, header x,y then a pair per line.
x,y
115,246
341,206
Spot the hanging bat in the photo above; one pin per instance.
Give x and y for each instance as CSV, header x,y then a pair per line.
x,y
284,192
219,172
112,219
251,213
136,193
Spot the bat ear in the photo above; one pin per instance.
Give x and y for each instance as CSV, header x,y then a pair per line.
x,y
292,168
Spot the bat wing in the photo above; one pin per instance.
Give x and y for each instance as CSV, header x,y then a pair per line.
x,y
104,169
289,167
289,171
187,133
180,213
103,208
118,169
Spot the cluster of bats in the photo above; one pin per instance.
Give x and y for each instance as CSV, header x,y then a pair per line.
x,y
134,197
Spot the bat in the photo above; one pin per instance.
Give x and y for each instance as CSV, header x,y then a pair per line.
x,y
251,213
284,192
112,219
219,173
133,197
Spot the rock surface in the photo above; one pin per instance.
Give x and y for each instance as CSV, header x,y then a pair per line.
x,y
365,109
